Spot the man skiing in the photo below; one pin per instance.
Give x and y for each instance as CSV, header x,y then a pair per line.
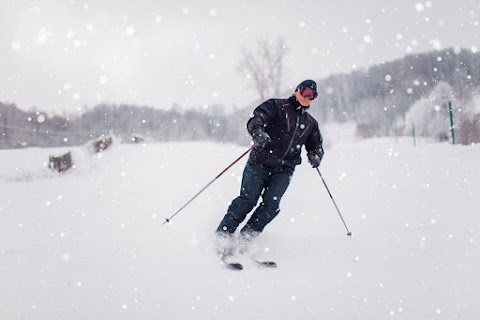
x,y
279,128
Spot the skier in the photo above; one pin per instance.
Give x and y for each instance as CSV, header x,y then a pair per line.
x,y
279,128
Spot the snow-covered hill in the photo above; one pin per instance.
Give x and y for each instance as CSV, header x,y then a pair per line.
x,y
90,244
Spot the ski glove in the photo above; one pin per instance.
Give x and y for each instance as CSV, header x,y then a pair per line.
x,y
260,138
315,157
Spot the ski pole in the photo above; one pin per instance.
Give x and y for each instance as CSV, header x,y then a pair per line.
x,y
167,220
334,203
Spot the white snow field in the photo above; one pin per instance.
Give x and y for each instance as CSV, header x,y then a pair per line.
x,y
89,244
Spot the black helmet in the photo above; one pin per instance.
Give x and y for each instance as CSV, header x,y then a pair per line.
x,y
308,84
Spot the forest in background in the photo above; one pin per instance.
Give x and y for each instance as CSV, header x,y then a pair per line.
x,y
392,98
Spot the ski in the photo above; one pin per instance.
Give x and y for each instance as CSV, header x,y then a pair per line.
x,y
228,250
231,265
239,266
234,265
266,264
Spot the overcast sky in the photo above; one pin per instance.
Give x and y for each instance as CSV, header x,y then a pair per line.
x,y
61,55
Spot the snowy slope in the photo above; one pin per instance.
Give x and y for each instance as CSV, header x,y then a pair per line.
x,y
90,245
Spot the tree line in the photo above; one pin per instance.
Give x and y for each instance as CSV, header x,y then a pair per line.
x,y
380,98
384,100
20,128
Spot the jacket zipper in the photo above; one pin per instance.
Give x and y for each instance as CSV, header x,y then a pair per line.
x,y
304,130
293,137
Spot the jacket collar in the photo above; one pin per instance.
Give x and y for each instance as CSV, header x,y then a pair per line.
x,y
294,102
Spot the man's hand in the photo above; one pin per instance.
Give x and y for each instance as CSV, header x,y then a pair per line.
x,y
315,157
260,138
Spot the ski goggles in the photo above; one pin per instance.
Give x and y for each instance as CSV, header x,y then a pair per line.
x,y
307,93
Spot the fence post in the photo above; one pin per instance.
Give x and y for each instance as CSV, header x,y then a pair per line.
x,y
451,121
413,135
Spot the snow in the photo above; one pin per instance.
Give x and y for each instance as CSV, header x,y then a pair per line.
x,y
89,244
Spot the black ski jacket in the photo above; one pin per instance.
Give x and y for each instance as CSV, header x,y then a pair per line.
x,y
289,126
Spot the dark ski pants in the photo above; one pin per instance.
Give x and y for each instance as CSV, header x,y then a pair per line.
x,y
257,181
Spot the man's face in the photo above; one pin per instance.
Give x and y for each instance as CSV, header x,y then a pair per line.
x,y
304,102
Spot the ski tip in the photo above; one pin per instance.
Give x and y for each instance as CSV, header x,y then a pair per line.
x,y
231,265
266,264
269,264
234,266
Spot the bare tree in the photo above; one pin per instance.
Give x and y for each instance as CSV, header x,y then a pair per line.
x,y
265,66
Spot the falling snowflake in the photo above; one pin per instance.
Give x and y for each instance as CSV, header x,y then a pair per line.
x,y
130,30
419,7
